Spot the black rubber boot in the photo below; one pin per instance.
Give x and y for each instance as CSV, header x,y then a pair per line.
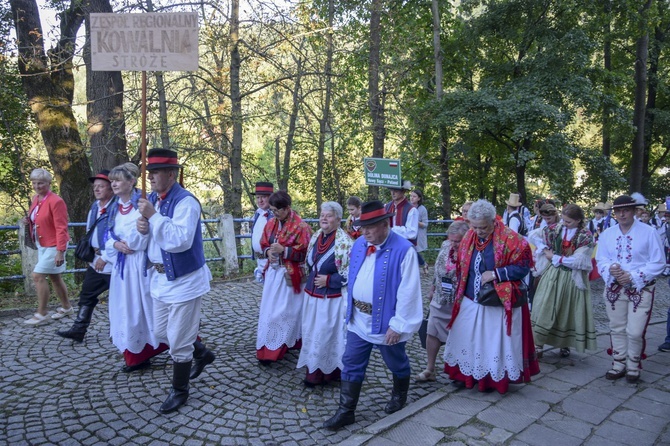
x,y
398,396
201,357
349,393
80,325
179,393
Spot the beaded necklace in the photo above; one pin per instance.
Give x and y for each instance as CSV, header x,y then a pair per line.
x,y
125,209
324,243
480,244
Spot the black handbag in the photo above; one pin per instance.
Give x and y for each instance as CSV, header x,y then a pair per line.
x,y
423,331
28,240
488,296
84,250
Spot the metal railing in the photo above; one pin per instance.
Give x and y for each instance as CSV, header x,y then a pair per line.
x,y
209,236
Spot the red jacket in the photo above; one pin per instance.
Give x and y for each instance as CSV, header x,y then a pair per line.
x,y
51,222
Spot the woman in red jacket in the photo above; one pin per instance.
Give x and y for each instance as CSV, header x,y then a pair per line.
x,y
48,226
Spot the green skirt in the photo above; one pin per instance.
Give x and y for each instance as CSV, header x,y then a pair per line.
x,y
562,315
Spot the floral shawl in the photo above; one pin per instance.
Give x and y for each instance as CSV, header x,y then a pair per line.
x,y
509,248
343,244
353,231
293,234
581,249
444,267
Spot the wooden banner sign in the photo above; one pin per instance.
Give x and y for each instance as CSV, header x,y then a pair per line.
x,y
144,42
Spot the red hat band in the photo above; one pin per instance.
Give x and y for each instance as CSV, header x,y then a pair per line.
x,y
373,214
161,160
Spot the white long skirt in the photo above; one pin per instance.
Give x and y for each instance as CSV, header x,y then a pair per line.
x,y
323,333
279,319
131,307
479,345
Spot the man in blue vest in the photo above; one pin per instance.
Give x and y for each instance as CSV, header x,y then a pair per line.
x,y
96,278
406,217
261,217
178,272
383,310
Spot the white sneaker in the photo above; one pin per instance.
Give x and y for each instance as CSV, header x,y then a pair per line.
x,y
37,319
62,312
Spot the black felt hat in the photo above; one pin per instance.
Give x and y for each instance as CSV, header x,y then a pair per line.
x,y
162,158
264,188
372,212
624,201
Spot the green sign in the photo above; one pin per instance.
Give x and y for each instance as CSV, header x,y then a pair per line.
x,y
382,172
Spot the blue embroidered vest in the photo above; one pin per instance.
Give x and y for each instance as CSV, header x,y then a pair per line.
x,y
387,278
104,219
178,264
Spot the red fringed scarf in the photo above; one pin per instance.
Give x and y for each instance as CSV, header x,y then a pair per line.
x,y
509,248
295,234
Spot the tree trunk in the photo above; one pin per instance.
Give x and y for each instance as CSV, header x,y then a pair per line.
x,y
656,47
374,93
641,48
233,205
607,87
325,113
445,186
293,119
280,178
106,125
49,86
325,126
520,170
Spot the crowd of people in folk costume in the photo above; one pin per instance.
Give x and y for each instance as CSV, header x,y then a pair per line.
x,y
504,289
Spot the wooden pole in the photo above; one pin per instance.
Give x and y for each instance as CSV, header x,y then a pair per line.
x,y
143,143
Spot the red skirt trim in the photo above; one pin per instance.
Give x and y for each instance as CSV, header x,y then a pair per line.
x,y
318,377
265,354
148,352
531,366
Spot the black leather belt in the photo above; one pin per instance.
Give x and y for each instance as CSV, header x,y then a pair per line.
x,y
364,307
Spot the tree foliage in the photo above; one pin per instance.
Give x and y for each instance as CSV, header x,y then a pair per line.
x,y
299,93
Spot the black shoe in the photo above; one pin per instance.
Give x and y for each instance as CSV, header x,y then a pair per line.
x,y
72,333
80,325
265,362
664,347
133,368
458,384
565,352
202,356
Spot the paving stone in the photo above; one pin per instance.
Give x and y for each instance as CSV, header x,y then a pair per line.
x,y
542,436
511,421
584,411
562,423
640,420
596,398
620,434
408,432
